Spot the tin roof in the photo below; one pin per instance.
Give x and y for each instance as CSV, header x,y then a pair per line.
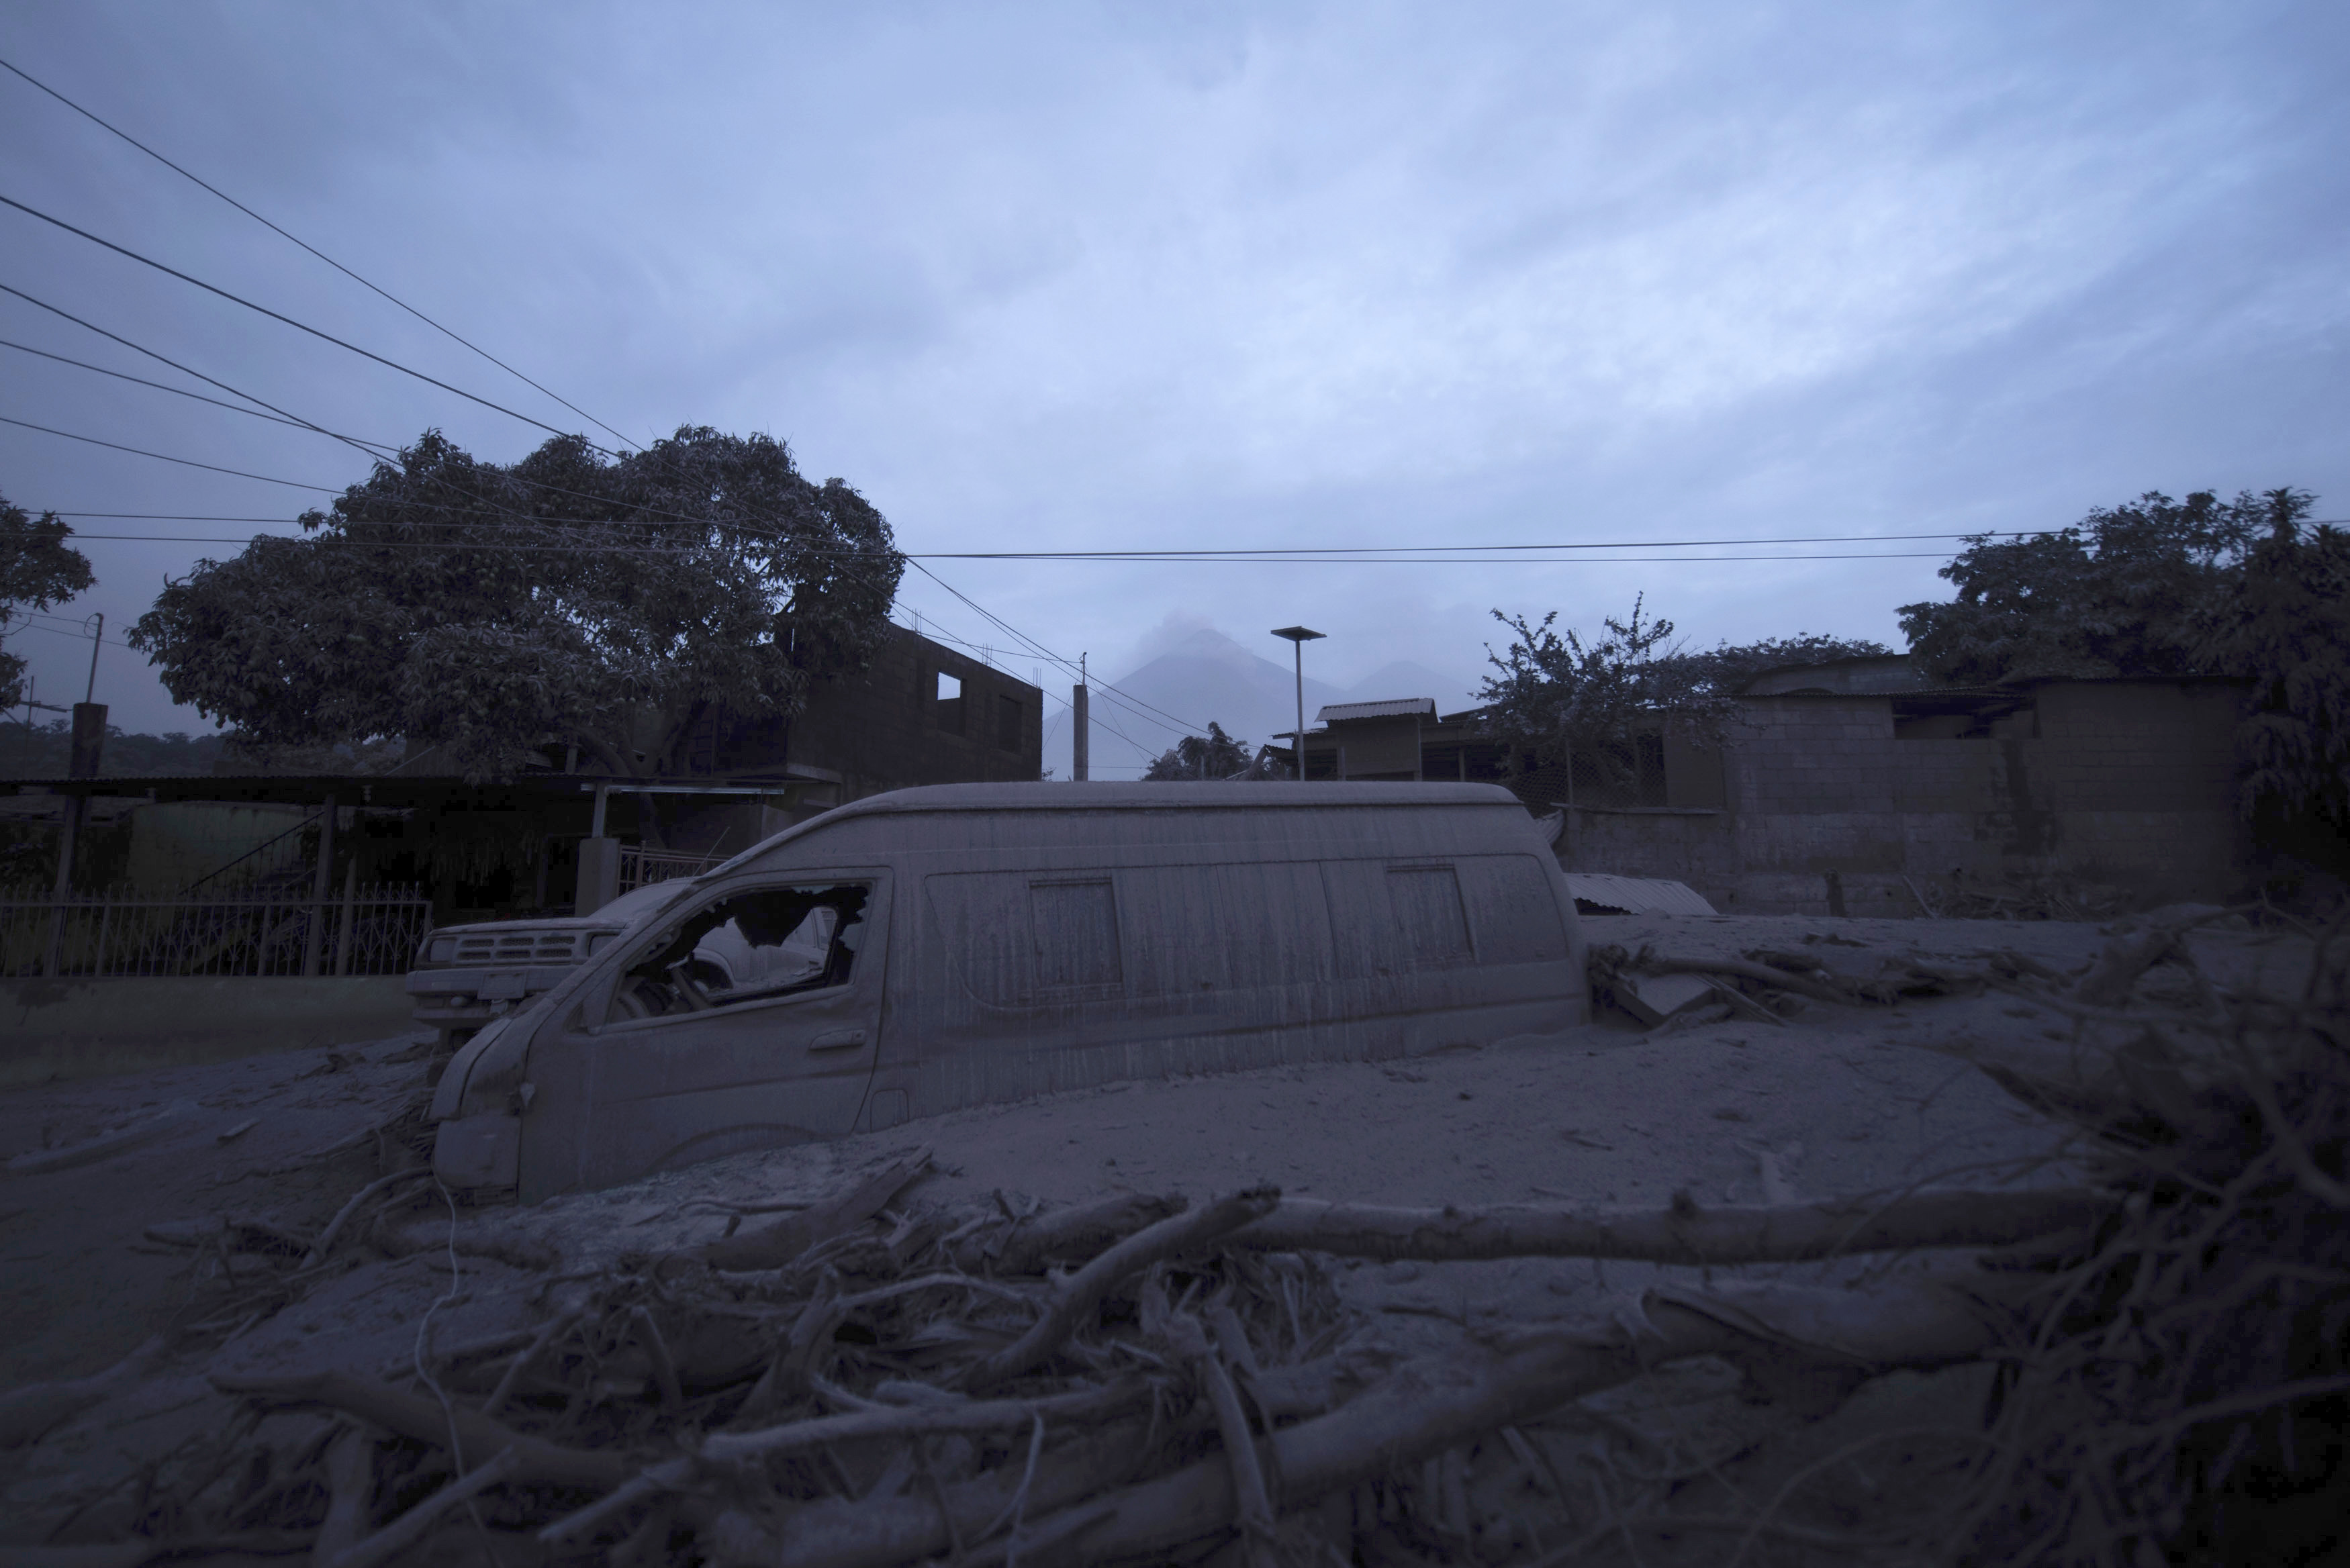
x,y
1636,894
1395,708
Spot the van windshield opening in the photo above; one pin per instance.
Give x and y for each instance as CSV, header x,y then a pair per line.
x,y
750,947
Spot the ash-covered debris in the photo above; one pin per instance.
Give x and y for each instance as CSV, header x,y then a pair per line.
x,y
852,1359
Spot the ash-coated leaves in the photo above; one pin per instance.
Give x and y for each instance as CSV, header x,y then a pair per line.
x,y
566,599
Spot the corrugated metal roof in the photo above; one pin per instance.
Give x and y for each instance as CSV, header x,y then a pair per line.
x,y
1397,708
1636,894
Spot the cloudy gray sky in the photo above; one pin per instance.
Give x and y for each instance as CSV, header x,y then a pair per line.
x,y
1060,277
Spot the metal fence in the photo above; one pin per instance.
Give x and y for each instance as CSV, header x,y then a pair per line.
x,y
363,931
643,867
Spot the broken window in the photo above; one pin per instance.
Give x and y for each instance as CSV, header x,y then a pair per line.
x,y
777,941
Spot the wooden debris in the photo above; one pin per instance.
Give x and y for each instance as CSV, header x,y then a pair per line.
x,y
779,1242
1698,1237
29,1411
868,1382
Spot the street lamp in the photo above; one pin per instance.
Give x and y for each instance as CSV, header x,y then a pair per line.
x,y
1298,638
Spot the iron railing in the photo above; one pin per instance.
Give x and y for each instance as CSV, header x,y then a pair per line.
x,y
361,930
271,861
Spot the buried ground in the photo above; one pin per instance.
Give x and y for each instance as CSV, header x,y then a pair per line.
x,y
217,1181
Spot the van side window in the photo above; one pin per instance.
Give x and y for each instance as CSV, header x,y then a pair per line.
x,y
773,943
1076,933
1429,917
1516,912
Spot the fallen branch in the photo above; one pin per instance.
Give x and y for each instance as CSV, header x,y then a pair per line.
x,y
645,1485
424,1420
1081,1231
408,1529
146,1130
350,1490
1253,1502
2131,953
1432,1405
1080,1293
1685,1234
1761,974
343,1216
28,1412
774,1245
970,1416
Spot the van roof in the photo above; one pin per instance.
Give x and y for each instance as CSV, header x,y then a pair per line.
x,y
1073,796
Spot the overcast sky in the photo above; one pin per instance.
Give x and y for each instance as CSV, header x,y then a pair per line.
x,y
1039,278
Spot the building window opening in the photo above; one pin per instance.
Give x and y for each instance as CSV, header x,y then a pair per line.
x,y
1965,718
950,687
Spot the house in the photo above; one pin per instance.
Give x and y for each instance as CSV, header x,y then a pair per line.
x,y
1862,787
920,713
1402,739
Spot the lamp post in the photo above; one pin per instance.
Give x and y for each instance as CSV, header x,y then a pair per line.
x,y
1298,638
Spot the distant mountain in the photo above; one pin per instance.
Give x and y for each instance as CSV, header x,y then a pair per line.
x,y
1206,677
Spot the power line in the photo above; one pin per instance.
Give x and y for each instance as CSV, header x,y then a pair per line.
x,y
187,462
1141,709
63,631
915,556
1275,554
1438,551
298,325
184,392
322,256
354,442
1336,554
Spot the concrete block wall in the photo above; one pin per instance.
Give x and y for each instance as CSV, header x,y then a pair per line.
x,y
1693,847
2125,783
884,728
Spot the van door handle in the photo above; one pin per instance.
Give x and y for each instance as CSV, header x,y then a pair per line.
x,y
837,1040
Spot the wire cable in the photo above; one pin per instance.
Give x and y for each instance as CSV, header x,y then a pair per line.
x,y
1141,709
184,392
161,457
314,250
352,442
298,325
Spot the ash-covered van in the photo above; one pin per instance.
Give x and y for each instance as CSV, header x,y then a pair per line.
x,y
930,948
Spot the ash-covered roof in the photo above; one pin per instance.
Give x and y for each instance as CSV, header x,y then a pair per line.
x,y
1395,708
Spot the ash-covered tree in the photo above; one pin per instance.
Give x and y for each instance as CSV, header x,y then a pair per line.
x,y
500,612
1214,755
2124,591
1726,668
37,567
1555,696
2286,629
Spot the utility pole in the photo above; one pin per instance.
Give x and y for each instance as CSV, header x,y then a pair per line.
x,y
1081,727
1298,638
88,745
